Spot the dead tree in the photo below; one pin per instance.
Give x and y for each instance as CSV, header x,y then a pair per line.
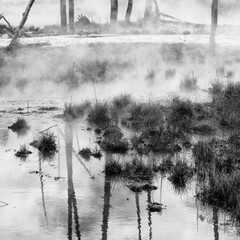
x,y
71,16
63,14
214,23
148,9
21,25
114,12
129,11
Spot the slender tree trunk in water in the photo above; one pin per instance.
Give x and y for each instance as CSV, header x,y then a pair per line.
x,y
148,9
129,11
21,25
63,12
214,23
71,16
114,13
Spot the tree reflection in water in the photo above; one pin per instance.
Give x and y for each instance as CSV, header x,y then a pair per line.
x,y
138,215
72,202
215,223
107,197
149,214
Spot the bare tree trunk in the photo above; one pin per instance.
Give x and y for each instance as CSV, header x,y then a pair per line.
x,y
63,14
148,9
214,23
129,11
21,25
71,16
114,12
157,12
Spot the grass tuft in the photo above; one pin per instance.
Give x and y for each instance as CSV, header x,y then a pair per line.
x,y
189,83
113,168
85,153
20,125
47,145
180,176
73,111
122,101
99,114
23,152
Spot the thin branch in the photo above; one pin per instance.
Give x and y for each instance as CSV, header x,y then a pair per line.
x,y
4,204
8,23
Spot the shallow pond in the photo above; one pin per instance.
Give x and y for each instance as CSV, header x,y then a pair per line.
x,y
68,197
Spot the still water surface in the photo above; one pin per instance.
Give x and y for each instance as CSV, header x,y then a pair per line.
x,y
70,198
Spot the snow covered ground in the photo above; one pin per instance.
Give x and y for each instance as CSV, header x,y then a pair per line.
x,y
61,41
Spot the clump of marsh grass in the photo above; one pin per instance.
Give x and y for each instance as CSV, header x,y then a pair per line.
x,y
180,176
151,74
181,115
230,74
133,169
113,140
20,125
162,140
189,83
170,73
85,153
145,115
156,207
113,168
216,90
222,191
227,109
138,169
203,129
137,186
47,145
166,165
74,111
120,146
203,153
96,154
99,114
217,155
23,152
122,101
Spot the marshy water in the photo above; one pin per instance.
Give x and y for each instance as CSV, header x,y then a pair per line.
x,y
69,197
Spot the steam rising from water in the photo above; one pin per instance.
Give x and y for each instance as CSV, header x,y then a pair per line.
x,y
77,72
